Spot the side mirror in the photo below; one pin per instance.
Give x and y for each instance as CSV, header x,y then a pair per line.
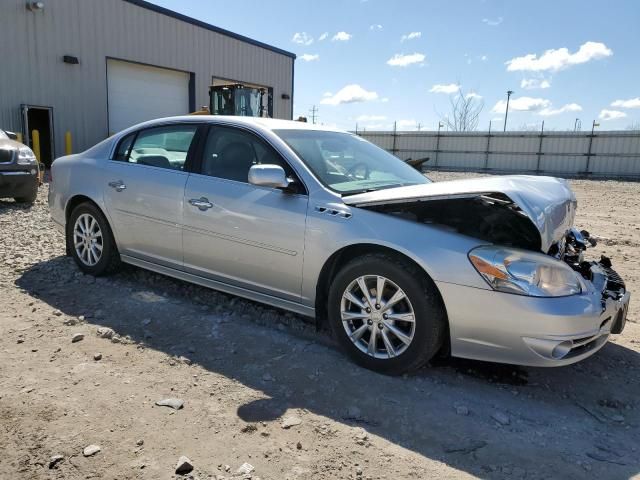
x,y
12,135
268,176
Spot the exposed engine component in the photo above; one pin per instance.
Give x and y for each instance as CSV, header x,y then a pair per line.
x,y
494,218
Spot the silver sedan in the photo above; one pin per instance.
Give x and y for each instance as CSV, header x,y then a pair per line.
x,y
325,224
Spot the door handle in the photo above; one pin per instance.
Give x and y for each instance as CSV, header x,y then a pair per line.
x,y
201,203
118,185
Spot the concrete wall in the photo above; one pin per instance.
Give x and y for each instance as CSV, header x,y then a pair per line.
x,y
33,44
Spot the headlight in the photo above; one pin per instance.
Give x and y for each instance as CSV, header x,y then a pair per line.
x,y
26,156
525,273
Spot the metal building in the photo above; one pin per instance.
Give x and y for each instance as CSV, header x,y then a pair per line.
x,y
94,67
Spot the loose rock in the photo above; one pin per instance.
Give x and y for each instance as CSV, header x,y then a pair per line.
x,y
501,418
77,337
462,410
290,421
465,446
105,332
245,468
91,450
97,357
353,413
184,465
174,403
55,460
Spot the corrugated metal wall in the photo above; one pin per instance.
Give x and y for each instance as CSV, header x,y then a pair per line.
x,y
573,153
33,44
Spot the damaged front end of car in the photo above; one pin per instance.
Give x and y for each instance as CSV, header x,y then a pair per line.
x,y
528,222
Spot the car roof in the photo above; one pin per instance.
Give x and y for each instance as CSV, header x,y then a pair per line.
x,y
260,123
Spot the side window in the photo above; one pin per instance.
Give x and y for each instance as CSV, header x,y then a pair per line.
x,y
229,153
164,147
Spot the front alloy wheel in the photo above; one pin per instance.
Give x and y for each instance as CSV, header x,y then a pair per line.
x,y
378,316
386,313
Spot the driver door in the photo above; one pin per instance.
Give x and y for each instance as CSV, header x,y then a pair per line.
x,y
241,234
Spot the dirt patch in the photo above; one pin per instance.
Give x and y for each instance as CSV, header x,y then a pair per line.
x,y
244,371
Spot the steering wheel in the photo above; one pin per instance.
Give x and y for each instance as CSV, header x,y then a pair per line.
x,y
363,174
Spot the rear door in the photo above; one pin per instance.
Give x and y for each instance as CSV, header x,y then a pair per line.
x,y
144,191
238,233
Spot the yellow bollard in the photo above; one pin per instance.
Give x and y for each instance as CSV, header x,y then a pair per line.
x,y
67,143
19,137
35,143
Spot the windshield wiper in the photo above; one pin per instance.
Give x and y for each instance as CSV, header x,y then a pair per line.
x,y
375,189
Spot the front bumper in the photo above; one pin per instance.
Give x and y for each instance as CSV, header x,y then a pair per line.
x,y
18,183
544,332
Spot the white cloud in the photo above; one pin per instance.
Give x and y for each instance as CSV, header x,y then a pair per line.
x,y
327,94
445,88
323,36
611,114
493,22
558,59
569,107
484,58
350,94
400,60
534,83
410,36
473,95
375,26
522,104
371,118
308,57
384,100
303,38
342,37
631,103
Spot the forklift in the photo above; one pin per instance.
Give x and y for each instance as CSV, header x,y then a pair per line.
x,y
240,100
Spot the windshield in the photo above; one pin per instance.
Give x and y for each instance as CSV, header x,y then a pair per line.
x,y
349,164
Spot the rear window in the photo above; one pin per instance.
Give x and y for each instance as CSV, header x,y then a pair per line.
x,y
163,147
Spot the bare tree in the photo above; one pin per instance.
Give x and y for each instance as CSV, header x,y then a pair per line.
x,y
464,113
633,126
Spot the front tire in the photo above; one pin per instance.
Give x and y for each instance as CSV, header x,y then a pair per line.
x,y
90,241
30,198
386,314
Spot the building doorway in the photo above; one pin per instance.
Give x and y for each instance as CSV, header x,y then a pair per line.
x,y
40,119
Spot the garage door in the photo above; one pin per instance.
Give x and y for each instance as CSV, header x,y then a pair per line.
x,y
138,92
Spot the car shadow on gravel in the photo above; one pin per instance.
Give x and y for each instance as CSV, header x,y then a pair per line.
x,y
493,421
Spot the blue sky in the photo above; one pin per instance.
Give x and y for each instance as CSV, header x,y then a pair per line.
x,y
373,62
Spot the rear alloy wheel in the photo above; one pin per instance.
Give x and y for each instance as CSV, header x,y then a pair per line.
x,y
90,241
386,313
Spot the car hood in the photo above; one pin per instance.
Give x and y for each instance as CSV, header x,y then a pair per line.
x,y
8,144
547,202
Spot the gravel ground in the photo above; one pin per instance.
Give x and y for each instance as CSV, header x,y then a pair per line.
x,y
83,362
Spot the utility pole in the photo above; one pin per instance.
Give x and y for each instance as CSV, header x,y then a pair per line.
x,y
419,126
314,114
506,112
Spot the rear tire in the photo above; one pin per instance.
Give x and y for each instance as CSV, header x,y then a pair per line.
x,y
406,333
90,241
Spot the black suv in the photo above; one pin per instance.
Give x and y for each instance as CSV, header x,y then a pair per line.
x,y
19,169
